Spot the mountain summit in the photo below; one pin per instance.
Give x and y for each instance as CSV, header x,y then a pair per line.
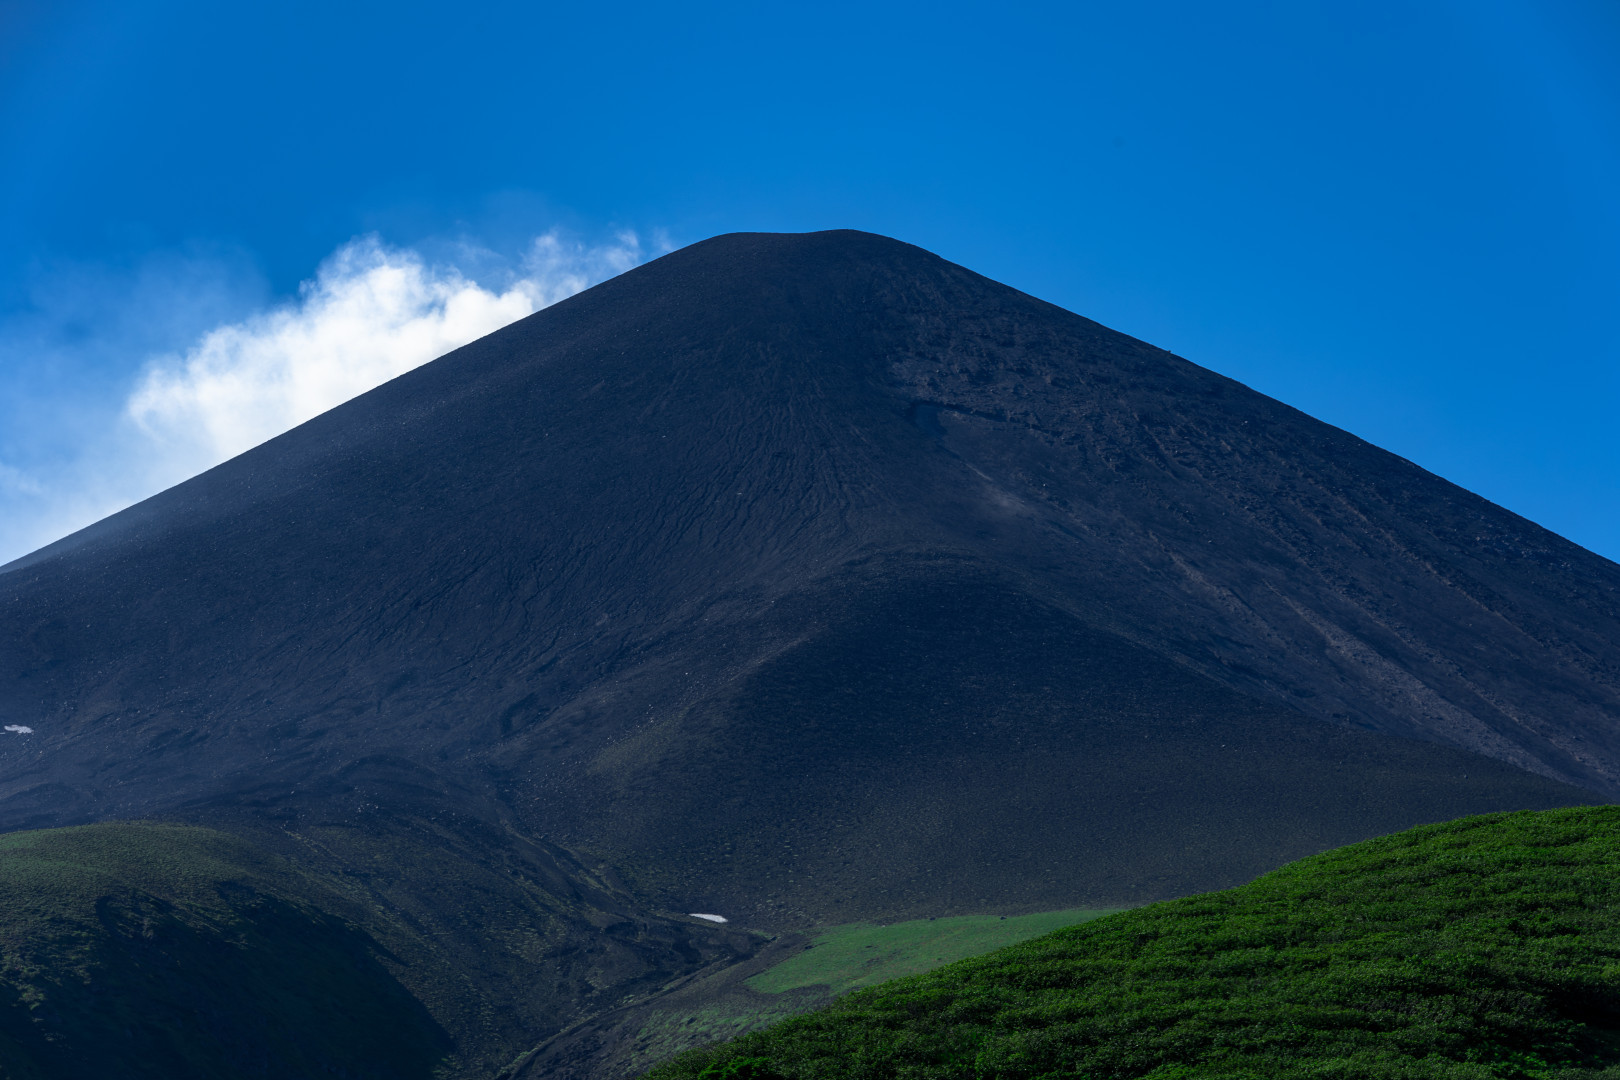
x,y
813,578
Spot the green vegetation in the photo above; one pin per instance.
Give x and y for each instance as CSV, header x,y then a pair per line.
x,y
740,1069
1483,948
169,951
380,946
735,1001
846,958
667,1032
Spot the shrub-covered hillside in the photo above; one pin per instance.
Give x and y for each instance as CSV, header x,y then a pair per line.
x,y
1485,947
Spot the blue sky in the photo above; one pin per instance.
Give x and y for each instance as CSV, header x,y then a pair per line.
x,y
1401,218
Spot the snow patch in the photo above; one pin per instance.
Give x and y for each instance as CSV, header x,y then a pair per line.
x,y
695,915
23,729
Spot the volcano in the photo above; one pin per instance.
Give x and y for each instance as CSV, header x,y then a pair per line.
x,y
808,580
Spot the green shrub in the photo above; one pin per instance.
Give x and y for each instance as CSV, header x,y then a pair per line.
x,y
750,1068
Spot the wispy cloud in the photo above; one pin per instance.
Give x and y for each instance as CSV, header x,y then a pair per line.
x,y
14,481
370,313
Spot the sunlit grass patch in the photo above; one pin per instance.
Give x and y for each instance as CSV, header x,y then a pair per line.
x,y
849,957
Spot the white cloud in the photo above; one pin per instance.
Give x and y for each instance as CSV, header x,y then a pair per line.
x,y
372,312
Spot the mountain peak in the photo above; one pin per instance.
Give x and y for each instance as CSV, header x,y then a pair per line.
x,y
828,502
808,579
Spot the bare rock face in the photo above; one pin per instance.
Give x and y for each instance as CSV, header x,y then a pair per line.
x,y
809,578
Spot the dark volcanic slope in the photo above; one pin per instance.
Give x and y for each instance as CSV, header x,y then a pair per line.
x,y
815,575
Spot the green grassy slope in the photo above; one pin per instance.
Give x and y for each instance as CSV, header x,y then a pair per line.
x,y
1485,947
846,958
169,951
788,976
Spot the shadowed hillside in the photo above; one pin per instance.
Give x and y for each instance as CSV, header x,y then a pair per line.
x,y
394,951
808,580
164,951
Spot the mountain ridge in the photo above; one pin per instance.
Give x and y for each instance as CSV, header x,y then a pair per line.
x,y
964,398
804,579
